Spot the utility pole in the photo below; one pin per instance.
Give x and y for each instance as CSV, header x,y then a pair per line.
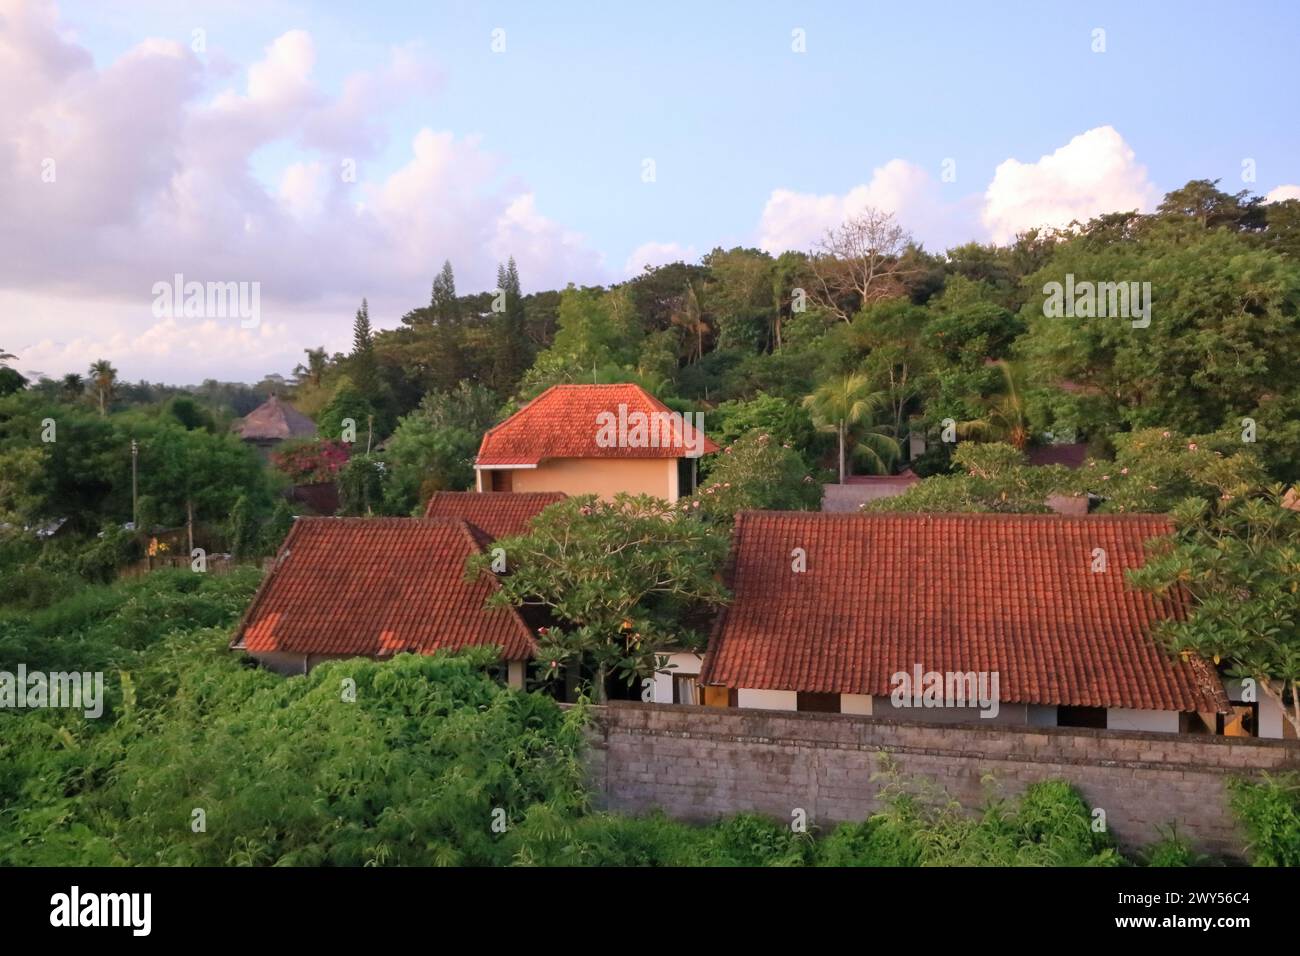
x,y
135,499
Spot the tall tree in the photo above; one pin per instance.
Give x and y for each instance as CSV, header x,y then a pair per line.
x,y
363,367
846,406
73,386
104,377
443,303
689,316
860,262
789,273
188,476
314,370
510,352
1202,202
739,297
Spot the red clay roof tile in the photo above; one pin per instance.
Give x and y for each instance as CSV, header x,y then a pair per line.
x,y
563,422
378,586
954,593
500,514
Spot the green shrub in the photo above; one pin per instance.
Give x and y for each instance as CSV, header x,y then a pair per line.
x,y
1172,850
878,841
751,840
1269,809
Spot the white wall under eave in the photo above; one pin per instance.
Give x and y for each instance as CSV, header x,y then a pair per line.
x,y
1121,718
1271,718
859,704
767,699
515,672
1041,715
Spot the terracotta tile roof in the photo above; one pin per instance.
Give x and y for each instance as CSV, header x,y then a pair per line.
x,y
562,422
274,419
499,514
953,592
378,586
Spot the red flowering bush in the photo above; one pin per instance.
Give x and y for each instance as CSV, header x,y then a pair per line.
x,y
312,462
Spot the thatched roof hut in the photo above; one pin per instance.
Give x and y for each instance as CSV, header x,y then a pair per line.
x,y
274,421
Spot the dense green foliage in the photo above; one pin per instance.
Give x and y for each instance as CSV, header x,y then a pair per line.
x,y
405,766
1270,812
754,472
417,760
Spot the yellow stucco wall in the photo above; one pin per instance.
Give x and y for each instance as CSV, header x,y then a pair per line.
x,y
599,476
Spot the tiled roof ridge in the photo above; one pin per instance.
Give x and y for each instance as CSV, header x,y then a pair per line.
x,y
540,405
1132,516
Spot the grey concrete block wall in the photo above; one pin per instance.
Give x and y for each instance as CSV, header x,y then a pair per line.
x,y
701,763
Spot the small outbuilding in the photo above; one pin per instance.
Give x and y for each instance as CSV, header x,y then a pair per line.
x,y
273,422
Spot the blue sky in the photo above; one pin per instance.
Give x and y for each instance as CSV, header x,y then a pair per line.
x,y
714,94
752,142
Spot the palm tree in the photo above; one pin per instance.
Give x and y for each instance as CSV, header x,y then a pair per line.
x,y
846,406
103,375
6,356
74,386
690,316
1004,417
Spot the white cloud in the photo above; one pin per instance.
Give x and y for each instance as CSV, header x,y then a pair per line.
x,y
1283,193
174,350
547,256
1094,173
657,254
795,220
303,189
153,176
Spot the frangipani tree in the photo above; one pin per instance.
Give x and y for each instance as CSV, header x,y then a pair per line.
x,y
619,577
1239,561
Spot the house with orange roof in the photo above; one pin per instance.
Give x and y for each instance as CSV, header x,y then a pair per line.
x,y
1005,619
376,587
594,439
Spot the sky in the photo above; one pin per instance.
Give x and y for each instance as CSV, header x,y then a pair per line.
x,y
316,153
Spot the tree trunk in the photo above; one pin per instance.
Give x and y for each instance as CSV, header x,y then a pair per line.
x,y
1293,718
189,524
598,692
841,433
